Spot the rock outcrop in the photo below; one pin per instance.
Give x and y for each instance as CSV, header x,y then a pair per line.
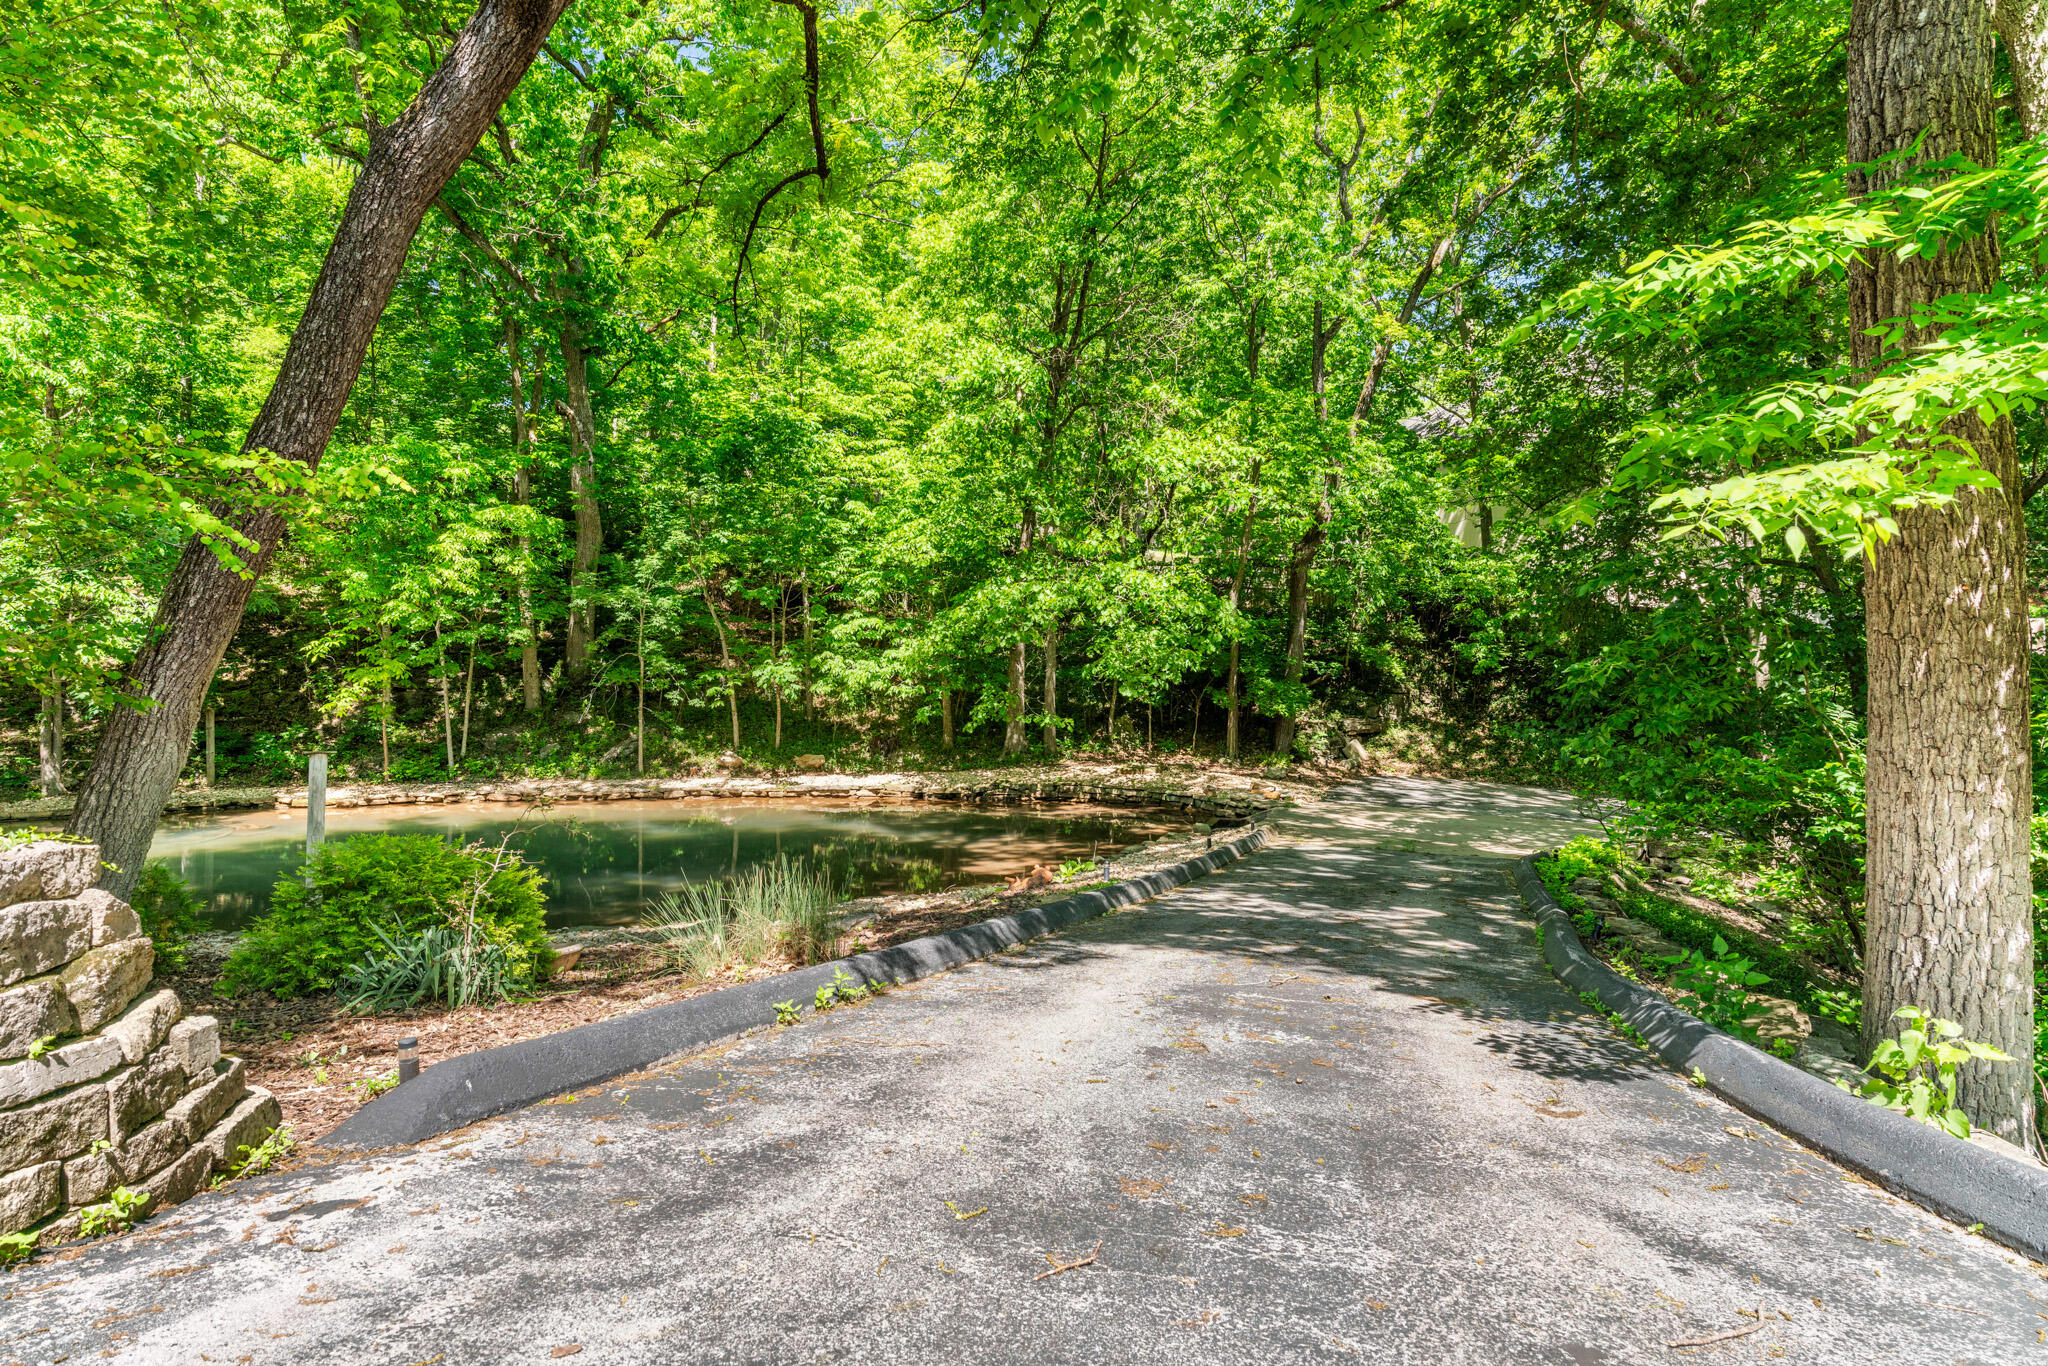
x,y
105,1085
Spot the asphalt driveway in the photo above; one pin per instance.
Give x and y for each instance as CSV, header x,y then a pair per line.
x,y
1325,1104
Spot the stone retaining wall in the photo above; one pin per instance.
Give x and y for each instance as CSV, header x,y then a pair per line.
x,y
104,1084
998,789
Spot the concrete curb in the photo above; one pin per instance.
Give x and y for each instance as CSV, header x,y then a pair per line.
x,y
1958,1180
491,1081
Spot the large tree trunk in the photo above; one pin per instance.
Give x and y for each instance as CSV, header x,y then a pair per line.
x,y
142,750
1949,792
582,422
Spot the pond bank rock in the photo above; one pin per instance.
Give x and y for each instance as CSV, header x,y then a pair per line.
x,y
103,1083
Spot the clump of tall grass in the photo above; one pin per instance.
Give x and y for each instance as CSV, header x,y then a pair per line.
x,y
784,909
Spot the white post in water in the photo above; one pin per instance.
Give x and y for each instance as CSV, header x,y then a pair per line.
x,y
316,802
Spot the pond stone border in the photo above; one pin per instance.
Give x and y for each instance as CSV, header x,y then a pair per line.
x,y
474,1086
996,789
1961,1181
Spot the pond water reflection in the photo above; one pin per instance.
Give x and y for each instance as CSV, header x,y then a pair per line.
x,y
604,864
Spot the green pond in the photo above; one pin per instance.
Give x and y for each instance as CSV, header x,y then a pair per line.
x,y
605,864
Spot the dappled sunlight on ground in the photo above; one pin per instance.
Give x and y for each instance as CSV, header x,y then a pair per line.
x,y
1325,1103
1445,815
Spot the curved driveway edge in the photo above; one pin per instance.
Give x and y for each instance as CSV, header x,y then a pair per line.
x,y
1962,1181
488,1082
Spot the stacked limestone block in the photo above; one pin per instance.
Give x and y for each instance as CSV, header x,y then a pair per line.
x,y
125,1091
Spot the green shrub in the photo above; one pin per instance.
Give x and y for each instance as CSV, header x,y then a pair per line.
x,y
1715,987
169,910
325,919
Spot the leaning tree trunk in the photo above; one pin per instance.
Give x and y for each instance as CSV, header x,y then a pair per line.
x,y
1949,785
142,750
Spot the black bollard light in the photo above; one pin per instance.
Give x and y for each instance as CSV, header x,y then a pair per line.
x,y
408,1059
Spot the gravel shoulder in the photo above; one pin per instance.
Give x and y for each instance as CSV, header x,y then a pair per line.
x,y
1325,1104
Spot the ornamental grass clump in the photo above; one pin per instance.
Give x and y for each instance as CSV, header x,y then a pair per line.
x,y
781,910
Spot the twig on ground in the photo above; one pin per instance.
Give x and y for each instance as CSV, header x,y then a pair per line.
x,y
1953,1309
1058,1266
1712,1338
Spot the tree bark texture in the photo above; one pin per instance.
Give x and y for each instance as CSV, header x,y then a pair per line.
x,y
2023,27
141,751
1949,788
